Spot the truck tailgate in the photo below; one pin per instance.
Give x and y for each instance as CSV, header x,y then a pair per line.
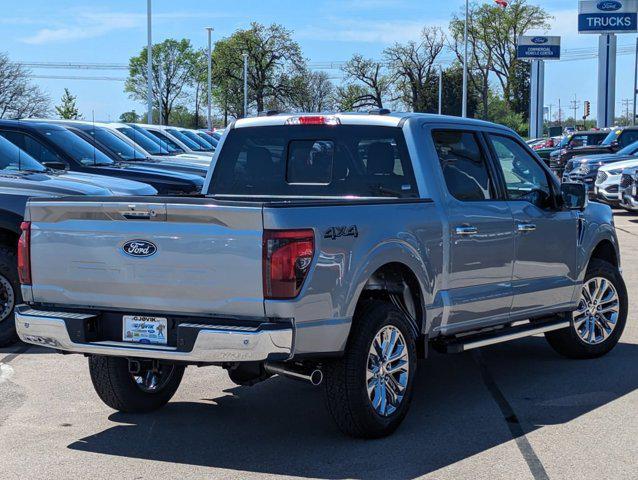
x,y
190,257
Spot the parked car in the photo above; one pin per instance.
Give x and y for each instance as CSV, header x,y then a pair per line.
x,y
628,189
109,142
175,140
56,147
284,267
22,177
585,169
551,145
573,146
205,144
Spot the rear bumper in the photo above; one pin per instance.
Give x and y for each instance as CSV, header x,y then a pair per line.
x,y
204,343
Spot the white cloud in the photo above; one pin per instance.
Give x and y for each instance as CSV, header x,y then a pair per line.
x,y
369,31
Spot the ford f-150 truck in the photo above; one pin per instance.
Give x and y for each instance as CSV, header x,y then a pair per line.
x,y
332,249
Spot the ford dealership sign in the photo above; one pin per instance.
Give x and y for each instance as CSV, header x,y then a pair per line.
x,y
608,16
538,48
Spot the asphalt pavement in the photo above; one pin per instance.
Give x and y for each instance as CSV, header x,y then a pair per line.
x,y
515,410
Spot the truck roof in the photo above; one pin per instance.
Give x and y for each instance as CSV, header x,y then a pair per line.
x,y
394,119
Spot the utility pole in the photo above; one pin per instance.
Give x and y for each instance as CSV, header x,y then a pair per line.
x,y
440,90
210,81
633,119
625,104
465,54
245,55
550,106
575,105
149,66
560,114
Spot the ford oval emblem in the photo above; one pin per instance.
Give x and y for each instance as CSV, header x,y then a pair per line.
x,y
609,5
539,40
139,248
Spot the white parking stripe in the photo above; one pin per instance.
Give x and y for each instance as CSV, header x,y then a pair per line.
x,y
6,372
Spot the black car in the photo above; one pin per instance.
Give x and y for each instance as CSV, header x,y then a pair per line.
x,y
585,169
56,147
118,150
572,145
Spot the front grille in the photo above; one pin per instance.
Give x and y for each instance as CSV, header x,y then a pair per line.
x,y
601,177
625,181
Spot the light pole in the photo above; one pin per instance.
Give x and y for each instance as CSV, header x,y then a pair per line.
x,y
467,17
245,55
149,67
210,81
440,90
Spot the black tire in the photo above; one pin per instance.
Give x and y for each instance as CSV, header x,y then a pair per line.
x,y
347,398
116,387
8,278
568,343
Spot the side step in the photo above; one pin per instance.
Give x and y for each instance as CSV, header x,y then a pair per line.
x,y
469,342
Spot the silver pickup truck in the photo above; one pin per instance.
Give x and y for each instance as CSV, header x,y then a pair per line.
x,y
331,249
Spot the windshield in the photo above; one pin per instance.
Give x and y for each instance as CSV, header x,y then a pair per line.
x,y
349,160
77,148
630,149
613,135
184,139
111,141
208,138
151,146
197,139
14,159
166,142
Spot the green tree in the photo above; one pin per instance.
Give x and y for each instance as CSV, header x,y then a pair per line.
x,y
274,65
68,109
348,97
130,117
313,92
453,93
173,75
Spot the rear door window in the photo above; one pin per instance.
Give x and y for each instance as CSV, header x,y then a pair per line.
x,y
345,160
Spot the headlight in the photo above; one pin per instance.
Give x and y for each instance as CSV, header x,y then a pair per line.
x,y
584,169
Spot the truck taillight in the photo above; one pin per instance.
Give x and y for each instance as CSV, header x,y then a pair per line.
x,y
24,254
314,120
287,258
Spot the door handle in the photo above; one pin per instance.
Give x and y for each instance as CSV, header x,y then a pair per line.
x,y
466,230
526,227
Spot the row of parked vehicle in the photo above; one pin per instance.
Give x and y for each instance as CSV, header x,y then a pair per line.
x,y
55,158
605,161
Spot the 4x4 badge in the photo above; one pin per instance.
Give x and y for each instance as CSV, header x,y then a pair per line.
x,y
336,232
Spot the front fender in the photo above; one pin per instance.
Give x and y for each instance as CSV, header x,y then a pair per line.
x,y
597,226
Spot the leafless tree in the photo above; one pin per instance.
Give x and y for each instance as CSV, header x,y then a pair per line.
x,y
374,85
412,68
315,93
19,98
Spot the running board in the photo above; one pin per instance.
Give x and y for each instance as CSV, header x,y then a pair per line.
x,y
470,342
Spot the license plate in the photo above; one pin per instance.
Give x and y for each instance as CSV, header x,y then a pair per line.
x,y
143,329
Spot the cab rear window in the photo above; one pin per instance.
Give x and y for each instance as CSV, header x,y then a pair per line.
x,y
334,161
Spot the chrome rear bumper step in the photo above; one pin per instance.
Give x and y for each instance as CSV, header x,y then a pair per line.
x,y
470,342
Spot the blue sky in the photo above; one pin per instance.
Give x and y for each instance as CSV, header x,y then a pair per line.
x,y
328,30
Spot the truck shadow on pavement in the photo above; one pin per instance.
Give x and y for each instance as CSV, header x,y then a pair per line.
x,y
281,427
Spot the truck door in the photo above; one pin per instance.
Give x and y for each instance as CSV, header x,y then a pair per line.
x,y
481,232
547,236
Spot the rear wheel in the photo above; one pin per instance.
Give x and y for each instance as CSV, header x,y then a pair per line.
x,y
10,296
145,389
368,390
599,320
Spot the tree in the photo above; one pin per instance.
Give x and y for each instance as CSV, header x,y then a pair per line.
x,y
453,93
412,68
173,75
130,117
274,63
68,109
369,75
18,97
314,92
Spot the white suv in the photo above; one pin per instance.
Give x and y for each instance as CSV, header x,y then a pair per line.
x,y
607,186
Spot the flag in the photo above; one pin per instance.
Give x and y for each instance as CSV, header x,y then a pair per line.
x,y
501,3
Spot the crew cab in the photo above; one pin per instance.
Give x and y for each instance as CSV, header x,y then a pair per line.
x,y
55,147
334,249
580,143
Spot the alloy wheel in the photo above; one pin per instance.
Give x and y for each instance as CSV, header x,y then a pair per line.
x,y
598,311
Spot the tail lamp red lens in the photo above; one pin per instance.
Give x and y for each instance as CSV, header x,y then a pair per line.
x,y
24,254
287,258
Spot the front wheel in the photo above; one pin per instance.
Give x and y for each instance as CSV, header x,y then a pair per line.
x,y
599,320
368,390
9,296
148,388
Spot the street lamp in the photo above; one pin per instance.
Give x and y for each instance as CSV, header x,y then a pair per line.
x,y
149,67
245,55
210,82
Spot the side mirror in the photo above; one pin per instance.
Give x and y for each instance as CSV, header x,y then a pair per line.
x,y
55,165
574,195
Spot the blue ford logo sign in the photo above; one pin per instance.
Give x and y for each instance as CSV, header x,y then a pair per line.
x,y
609,5
539,40
139,248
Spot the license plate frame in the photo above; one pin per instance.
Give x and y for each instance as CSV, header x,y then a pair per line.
x,y
145,329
